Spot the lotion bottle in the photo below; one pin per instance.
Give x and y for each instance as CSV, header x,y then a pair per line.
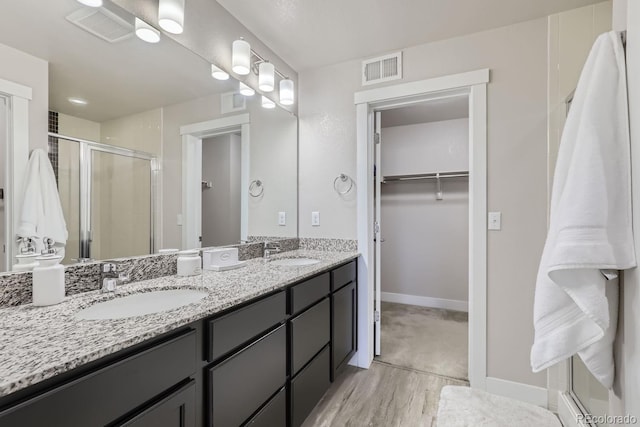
x,y
48,281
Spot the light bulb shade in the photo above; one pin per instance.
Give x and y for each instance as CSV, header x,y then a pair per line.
x,y
171,15
91,3
246,90
267,103
266,76
146,32
286,92
241,57
218,73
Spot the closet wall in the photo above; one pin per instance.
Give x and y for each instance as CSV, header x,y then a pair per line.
x,y
425,251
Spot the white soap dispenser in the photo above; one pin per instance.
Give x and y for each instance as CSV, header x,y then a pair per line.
x,y
48,281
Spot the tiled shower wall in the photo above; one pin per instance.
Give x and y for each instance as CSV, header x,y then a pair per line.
x,y
53,142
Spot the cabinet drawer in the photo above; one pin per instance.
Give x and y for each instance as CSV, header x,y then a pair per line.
x,y
309,387
274,414
106,394
236,328
176,410
241,384
310,331
343,275
308,292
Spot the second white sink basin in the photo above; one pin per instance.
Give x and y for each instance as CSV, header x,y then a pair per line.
x,y
295,262
141,304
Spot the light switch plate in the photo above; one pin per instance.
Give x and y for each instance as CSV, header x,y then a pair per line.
x,y
282,218
315,219
179,219
495,220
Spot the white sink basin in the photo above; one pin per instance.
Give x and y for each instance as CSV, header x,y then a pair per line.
x,y
295,262
141,304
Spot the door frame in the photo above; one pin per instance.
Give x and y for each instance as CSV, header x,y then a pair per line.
x,y
192,136
473,83
17,156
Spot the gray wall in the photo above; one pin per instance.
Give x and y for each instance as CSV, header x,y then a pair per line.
x,y
517,153
221,202
426,247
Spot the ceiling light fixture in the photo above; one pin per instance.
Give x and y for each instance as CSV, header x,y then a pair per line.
x,y
267,103
218,73
266,76
77,101
171,16
146,32
91,3
241,57
246,90
286,92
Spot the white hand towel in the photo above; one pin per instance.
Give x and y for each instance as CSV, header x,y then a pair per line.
x,y
575,308
41,214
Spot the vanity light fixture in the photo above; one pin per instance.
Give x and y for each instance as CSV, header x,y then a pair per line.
x,y
266,76
171,15
267,103
246,90
241,57
218,73
286,91
146,32
77,101
91,3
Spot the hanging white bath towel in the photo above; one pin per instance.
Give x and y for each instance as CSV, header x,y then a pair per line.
x,y
575,308
41,214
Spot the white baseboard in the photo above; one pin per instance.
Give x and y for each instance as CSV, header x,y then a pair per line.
x,y
449,304
519,391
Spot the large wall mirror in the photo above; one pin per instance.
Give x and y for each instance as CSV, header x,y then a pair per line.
x,y
122,143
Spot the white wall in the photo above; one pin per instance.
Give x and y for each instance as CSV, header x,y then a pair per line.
x,y
27,70
441,146
426,241
3,150
517,123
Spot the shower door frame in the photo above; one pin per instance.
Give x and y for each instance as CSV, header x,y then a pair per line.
x,y
87,148
17,155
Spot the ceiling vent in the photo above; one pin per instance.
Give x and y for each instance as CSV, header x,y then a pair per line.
x,y
102,23
382,69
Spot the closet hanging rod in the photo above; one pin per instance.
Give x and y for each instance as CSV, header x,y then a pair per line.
x,y
441,175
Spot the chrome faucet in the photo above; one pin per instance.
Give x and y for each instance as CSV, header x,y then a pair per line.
x,y
48,246
111,278
269,249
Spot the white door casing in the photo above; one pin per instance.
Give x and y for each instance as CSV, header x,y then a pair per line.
x,y
378,229
473,84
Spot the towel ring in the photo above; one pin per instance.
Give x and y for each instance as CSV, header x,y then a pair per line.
x,y
256,188
342,178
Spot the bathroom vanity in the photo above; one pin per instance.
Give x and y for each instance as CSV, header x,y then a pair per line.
x,y
260,350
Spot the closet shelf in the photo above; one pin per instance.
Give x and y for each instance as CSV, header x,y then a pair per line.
x,y
432,175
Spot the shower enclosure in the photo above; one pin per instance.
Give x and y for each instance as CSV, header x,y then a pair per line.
x,y
4,136
108,196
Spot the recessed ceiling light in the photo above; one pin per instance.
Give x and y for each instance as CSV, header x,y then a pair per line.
x,y
91,3
77,101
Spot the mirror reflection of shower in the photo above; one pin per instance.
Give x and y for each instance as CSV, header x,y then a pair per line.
x,y
108,198
3,174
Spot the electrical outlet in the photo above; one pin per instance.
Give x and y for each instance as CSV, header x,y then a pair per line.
x,y
282,218
315,219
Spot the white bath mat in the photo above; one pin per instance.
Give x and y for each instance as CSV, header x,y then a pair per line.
x,y
463,406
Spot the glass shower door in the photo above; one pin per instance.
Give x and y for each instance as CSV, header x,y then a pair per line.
x,y
120,200
3,165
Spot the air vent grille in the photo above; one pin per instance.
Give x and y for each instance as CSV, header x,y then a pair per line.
x,y
102,23
382,69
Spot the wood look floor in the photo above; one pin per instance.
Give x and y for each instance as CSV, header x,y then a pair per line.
x,y
385,395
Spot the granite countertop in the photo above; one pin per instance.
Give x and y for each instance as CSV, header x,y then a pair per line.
x,y
41,342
